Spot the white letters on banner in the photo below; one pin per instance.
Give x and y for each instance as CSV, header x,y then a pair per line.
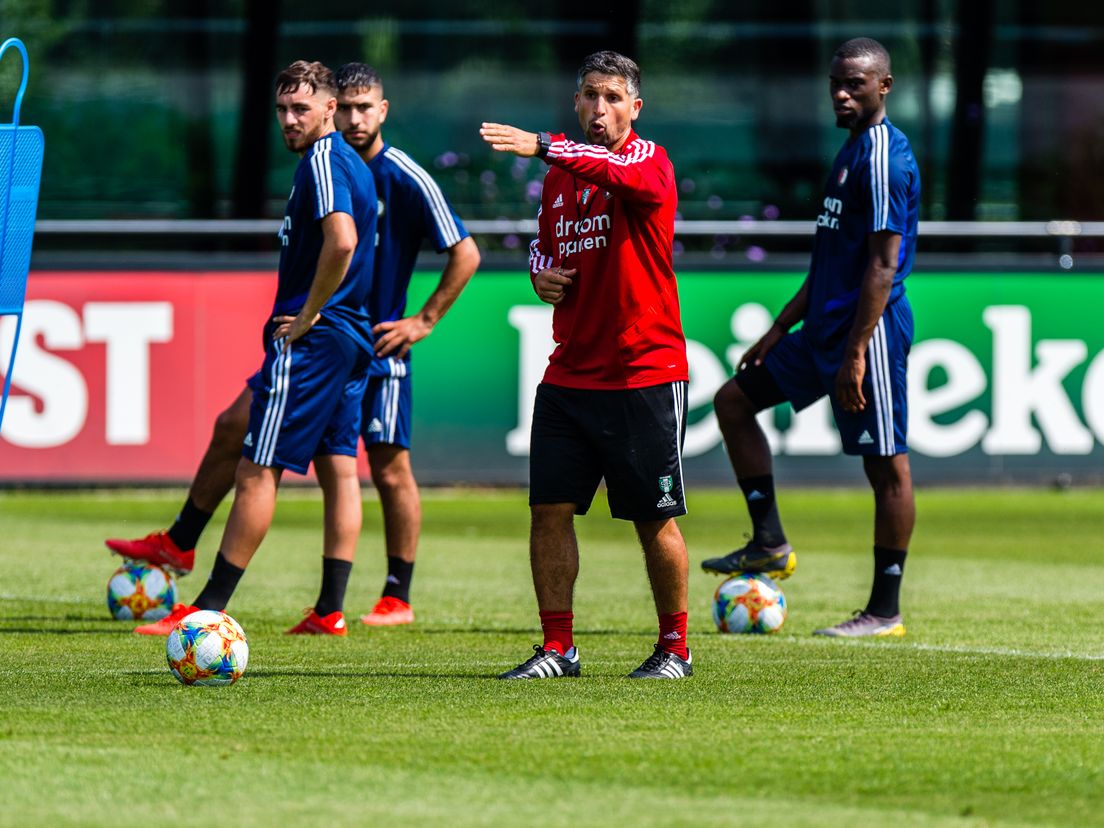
x,y
48,405
1020,390
1029,402
1032,386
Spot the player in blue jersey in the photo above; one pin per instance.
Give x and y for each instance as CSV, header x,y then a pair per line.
x,y
411,208
318,344
852,346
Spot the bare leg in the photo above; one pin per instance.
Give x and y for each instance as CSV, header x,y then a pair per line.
x,y
337,475
399,499
746,444
553,555
215,476
667,561
894,505
252,512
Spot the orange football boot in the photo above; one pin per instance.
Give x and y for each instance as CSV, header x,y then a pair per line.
x,y
315,624
389,612
156,548
166,624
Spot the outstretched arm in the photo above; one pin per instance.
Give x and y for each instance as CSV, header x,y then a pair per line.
x,y
638,175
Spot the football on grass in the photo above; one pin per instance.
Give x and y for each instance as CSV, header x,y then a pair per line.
x,y
749,603
207,648
138,591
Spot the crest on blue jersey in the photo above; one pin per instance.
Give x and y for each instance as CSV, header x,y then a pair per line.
x,y
842,176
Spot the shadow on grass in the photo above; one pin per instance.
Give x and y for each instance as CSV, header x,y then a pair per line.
x,y
530,631
364,674
48,631
57,619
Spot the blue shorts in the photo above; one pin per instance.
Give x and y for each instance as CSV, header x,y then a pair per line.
x,y
806,372
388,404
306,401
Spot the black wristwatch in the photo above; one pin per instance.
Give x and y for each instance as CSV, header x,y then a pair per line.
x,y
544,143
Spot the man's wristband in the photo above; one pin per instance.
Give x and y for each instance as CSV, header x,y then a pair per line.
x,y
544,143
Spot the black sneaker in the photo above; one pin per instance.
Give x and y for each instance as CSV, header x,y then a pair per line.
x,y
779,562
664,665
546,664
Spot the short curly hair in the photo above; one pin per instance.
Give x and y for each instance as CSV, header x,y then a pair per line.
x,y
357,76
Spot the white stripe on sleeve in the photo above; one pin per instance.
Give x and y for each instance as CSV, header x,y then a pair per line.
x,y
442,215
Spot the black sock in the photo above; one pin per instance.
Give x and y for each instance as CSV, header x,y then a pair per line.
x,y
759,494
189,525
889,566
399,575
221,583
335,577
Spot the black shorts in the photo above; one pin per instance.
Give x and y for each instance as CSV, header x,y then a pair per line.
x,y
632,438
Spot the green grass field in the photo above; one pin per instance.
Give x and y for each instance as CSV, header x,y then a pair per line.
x,y
990,711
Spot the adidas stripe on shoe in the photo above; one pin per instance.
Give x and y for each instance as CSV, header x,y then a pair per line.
x,y
546,664
664,665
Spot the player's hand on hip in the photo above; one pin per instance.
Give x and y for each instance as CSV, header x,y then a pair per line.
x,y
292,327
551,283
395,338
505,138
849,381
755,355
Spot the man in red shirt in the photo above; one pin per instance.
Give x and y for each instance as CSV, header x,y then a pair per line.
x,y
612,402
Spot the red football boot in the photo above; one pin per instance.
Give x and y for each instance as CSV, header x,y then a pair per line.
x,y
166,624
315,624
156,548
389,612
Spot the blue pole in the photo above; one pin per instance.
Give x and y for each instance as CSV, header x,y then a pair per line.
x,y
7,44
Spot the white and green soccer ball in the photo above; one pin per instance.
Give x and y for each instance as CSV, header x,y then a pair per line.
x,y
207,648
749,603
140,592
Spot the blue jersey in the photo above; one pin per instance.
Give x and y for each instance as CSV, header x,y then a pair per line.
x,y
874,185
330,178
411,208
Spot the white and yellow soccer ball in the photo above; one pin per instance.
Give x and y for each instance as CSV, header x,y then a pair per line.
x,y
139,591
207,648
749,603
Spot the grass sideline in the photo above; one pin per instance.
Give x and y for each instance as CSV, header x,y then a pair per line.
x,y
990,712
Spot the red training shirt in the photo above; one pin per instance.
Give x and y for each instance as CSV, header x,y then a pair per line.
x,y
611,216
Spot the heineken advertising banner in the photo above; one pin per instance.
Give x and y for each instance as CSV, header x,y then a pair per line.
x,y
1006,379
122,374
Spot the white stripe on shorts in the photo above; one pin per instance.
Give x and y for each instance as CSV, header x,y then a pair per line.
x,y
391,412
678,393
280,382
877,357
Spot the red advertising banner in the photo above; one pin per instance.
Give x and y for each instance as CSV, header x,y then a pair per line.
x,y
119,376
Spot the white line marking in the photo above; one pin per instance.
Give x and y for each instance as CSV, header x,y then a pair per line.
x,y
953,649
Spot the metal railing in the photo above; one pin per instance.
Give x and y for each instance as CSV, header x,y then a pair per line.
x,y
748,227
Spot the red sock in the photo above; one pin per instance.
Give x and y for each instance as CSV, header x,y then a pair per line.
x,y
557,631
672,633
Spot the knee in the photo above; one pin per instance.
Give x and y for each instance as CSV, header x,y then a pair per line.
x,y
230,428
391,477
889,477
551,518
731,404
250,478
